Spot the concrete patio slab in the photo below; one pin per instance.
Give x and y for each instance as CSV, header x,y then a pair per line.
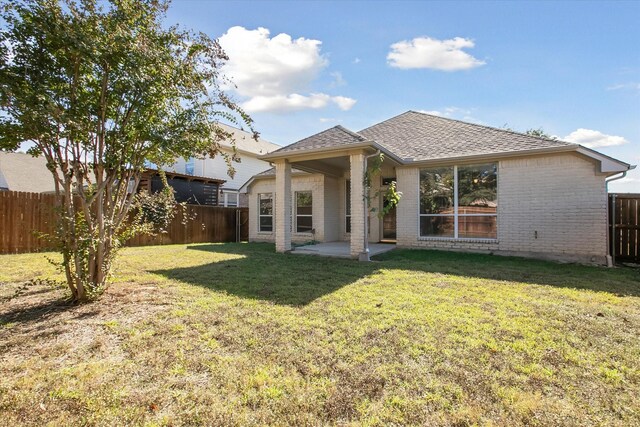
x,y
340,249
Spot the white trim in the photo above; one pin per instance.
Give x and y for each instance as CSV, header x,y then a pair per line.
x,y
296,215
260,216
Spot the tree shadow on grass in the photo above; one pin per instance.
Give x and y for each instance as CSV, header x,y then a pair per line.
x,y
300,279
293,280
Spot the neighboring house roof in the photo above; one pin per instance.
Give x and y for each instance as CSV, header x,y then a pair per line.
x,y
23,172
415,137
244,141
269,173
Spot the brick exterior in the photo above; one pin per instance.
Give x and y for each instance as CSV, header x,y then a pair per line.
x,y
558,196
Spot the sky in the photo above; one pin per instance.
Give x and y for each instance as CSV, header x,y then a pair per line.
x,y
570,68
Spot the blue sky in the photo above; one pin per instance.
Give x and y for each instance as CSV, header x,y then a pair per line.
x,y
572,68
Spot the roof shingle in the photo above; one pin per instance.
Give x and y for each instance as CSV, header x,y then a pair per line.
x,y
419,136
336,136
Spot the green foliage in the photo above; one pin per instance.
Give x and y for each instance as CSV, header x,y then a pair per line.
x,y
99,89
390,195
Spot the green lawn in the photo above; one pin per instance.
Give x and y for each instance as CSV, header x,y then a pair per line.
x,y
234,334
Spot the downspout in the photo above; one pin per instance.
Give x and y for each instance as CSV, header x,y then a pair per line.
x,y
611,258
364,256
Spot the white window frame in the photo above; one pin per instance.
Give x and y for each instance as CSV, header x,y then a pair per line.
x,y
260,216
296,215
457,215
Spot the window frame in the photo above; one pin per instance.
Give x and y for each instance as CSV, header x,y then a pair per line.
x,y
456,215
260,215
295,210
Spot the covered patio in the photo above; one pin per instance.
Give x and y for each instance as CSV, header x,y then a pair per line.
x,y
340,249
341,157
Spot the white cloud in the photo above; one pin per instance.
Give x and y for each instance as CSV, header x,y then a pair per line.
x,y
296,102
343,102
593,138
625,86
338,80
425,52
356,61
272,74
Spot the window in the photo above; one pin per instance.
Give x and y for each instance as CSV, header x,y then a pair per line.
x,y
189,166
459,202
230,200
265,212
304,210
348,207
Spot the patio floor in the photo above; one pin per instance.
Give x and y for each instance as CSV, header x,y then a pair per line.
x,y
340,249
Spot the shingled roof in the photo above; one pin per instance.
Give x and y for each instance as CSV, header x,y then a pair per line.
x,y
419,136
415,136
336,136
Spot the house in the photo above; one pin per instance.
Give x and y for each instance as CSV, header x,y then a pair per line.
x,y
23,172
248,150
464,187
190,189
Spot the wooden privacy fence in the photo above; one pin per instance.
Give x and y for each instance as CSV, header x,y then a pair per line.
x,y
24,216
624,227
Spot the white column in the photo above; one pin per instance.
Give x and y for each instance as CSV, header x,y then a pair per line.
x,y
283,206
357,205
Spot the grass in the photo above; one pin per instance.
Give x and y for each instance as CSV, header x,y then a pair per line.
x,y
234,334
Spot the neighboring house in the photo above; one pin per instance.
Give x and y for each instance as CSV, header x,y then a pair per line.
x,y
194,190
464,187
23,172
247,149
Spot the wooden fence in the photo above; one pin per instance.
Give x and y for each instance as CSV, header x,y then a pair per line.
x,y
24,216
624,227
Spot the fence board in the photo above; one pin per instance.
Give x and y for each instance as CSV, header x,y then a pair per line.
x,y
624,214
24,215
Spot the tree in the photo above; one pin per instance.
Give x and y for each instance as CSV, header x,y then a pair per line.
x,y
540,133
99,89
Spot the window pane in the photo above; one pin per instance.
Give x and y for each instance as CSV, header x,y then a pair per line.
x,y
437,226
477,227
266,223
303,198
436,191
348,225
477,189
266,204
304,224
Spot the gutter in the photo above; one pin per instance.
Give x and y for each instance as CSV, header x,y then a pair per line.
x,y
611,258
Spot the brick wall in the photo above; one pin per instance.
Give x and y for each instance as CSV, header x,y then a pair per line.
x,y
558,196
313,183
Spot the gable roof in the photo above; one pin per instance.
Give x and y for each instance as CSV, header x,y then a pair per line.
x,y
334,137
244,141
415,136
23,172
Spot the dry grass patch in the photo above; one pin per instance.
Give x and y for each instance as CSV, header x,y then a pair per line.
x,y
234,334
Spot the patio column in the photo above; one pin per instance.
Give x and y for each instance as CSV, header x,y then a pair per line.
x,y
283,206
357,205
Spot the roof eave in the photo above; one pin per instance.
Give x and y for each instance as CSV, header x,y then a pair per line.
x,y
503,155
324,150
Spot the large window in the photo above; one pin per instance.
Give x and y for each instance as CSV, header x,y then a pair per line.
x,y
459,202
265,212
348,207
304,212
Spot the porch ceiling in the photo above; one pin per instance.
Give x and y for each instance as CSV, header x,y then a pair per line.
x,y
335,166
